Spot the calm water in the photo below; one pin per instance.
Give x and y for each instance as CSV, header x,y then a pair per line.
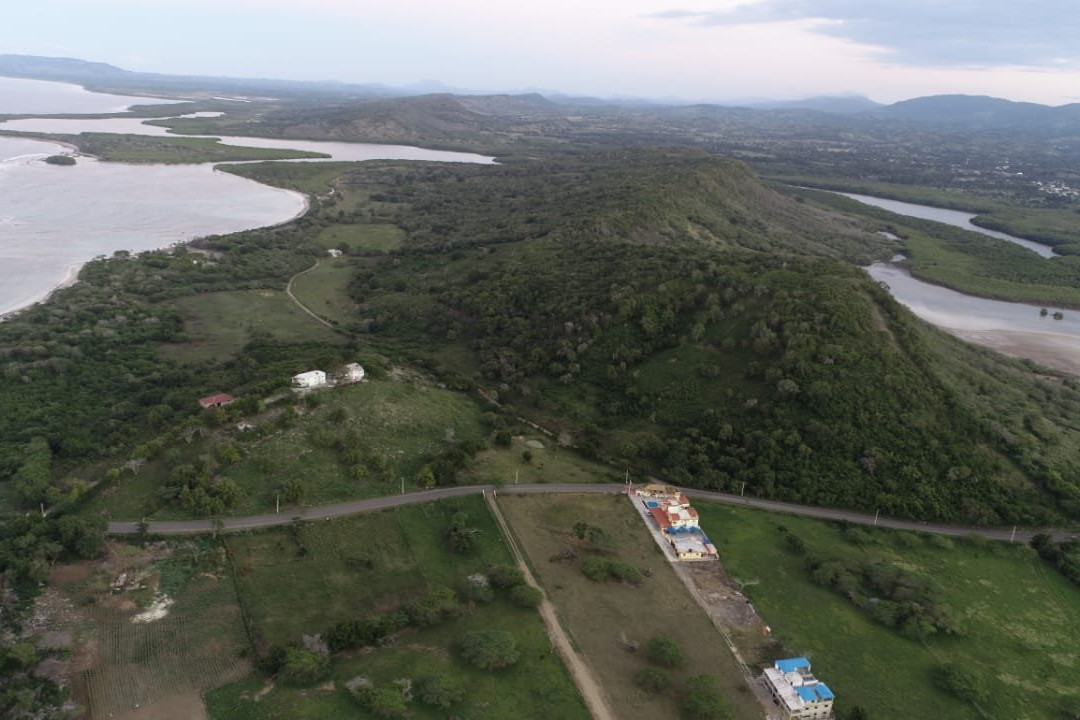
x,y
23,97
53,219
351,152
953,310
1016,329
956,218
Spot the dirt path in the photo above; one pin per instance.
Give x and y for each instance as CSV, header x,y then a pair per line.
x,y
289,292
580,672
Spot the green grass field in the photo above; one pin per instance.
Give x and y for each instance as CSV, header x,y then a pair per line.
x,y
375,236
599,617
324,290
548,464
403,553
399,424
1021,619
219,324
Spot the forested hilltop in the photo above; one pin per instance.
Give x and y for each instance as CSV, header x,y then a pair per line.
x,y
665,310
672,313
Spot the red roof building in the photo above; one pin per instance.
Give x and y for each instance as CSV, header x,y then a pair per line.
x,y
660,515
214,401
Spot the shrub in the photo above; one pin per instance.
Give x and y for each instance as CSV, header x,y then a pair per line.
x,y
664,652
490,649
525,596
438,604
960,682
273,661
438,691
702,701
381,702
625,572
476,589
596,569
652,680
505,576
303,667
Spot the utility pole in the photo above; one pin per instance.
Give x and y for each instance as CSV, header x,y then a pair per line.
x,y
402,484
742,489
516,474
876,512
277,503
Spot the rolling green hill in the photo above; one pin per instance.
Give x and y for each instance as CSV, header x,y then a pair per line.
x,y
672,312
665,309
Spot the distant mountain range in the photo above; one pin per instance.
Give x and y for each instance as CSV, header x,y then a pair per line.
x,y
844,104
982,112
951,111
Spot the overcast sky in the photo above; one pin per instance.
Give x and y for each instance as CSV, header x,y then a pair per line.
x,y
690,49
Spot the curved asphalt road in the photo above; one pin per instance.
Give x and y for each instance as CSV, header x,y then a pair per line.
x,y
325,512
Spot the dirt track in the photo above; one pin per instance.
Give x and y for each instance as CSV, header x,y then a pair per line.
x,y
580,672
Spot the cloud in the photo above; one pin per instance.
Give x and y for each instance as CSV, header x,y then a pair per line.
x,y
925,32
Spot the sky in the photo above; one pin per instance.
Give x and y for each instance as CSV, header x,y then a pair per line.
x,y
712,50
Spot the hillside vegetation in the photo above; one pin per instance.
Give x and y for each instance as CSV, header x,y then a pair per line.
x,y
674,313
665,310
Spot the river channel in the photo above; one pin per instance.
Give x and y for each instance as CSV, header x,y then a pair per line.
x,y
1015,329
55,218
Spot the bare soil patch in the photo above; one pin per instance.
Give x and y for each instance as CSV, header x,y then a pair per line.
x,y
182,706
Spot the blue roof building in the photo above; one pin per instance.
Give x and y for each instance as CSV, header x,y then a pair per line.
x,y
800,695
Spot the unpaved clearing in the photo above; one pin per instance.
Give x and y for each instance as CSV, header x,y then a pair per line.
x,y
183,706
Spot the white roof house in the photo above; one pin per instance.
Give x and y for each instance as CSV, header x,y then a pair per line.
x,y
309,379
353,373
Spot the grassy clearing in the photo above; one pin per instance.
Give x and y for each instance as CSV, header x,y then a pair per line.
x,y
219,324
376,236
600,617
548,463
1021,619
400,425
324,290
355,567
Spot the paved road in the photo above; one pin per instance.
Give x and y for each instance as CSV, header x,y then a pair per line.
x,y
182,527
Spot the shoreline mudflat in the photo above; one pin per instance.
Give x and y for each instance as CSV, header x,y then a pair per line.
x,y
1058,352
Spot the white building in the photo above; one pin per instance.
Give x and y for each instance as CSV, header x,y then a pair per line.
x,y
352,373
800,695
309,379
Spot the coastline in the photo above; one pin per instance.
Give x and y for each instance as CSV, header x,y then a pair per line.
x,y
1058,352
71,272
71,276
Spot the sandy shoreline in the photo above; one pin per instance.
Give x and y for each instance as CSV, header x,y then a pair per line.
x,y
1059,352
71,276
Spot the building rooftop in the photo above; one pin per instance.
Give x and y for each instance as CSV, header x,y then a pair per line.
x,y
795,686
790,665
216,400
813,693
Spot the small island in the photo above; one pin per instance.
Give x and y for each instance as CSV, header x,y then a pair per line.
x,y
60,160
